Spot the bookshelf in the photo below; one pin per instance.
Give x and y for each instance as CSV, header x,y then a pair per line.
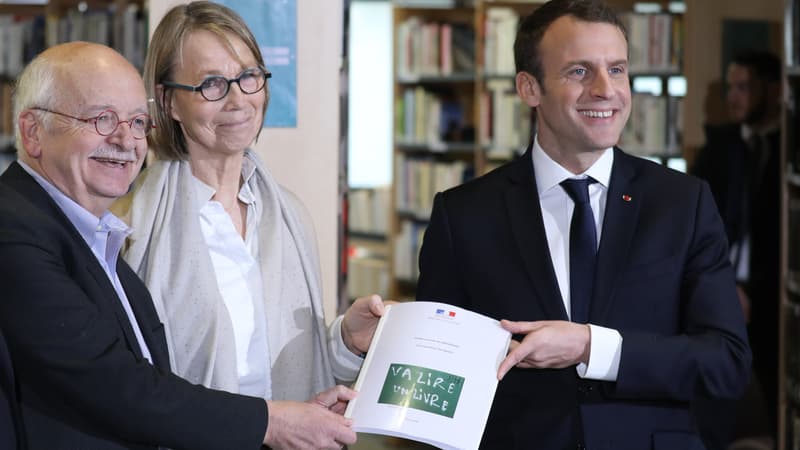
x,y
457,114
28,28
367,252
655,36
789,364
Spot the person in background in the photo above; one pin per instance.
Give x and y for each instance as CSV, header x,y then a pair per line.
x,y
89,352
228,254
610,271
741,162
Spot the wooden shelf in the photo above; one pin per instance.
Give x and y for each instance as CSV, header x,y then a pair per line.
x,y
366,236
437,79
22,9
466,148
412,215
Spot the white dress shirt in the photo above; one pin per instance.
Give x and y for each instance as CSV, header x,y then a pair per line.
x,y
557,207
238,272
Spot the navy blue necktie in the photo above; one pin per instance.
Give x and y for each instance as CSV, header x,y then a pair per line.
x,y
582,248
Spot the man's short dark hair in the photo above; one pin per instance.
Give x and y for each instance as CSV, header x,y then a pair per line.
x,y
763,64
529,35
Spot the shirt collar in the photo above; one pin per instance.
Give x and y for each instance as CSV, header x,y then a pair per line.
x,y
748,131
84,221
549,173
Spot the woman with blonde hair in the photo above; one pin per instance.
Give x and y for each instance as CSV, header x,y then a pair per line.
x,y
228,254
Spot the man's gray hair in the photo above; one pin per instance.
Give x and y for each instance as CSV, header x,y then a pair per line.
x,y
35,88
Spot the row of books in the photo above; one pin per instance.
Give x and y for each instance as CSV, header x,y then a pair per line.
x,y
505,121
367,274
6,117
654,126
655,42
23,37
432,118
368,211
407,245
418,180
426,48
500,29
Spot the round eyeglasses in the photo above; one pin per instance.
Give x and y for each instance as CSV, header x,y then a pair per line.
x,y
106,122
216,88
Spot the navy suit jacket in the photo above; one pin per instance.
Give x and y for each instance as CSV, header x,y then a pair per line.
x,y
10,436
83,383
663,280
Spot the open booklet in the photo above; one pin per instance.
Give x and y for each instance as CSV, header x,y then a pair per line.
x,y
430,375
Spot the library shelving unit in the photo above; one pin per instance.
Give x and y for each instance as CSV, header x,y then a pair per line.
x,y
457,114
655,36
789,365
367,253
29,27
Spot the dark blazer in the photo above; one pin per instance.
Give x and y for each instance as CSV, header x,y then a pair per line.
x,y
83,382
663,281
10,420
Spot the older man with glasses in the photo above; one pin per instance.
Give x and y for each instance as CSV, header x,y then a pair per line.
x,y
91,359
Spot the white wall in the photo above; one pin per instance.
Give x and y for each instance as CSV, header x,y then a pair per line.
x,y
305,159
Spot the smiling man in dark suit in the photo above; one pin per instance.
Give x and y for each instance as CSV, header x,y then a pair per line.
x,y
613,269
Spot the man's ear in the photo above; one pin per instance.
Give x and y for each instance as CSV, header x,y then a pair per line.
x,y
30,129
528,89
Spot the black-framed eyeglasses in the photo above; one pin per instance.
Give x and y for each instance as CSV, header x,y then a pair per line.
x,y
106,122
216,88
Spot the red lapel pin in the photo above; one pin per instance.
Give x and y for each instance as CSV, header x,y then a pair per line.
x,y
626,197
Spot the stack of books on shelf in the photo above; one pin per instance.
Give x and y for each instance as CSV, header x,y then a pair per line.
x,y
367,273
425,117
500,29
653,128
406,250
427,48
367,260
505,128
655,42
23,37
418,180
368,212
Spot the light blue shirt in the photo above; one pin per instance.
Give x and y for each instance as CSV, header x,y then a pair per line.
x,y
104,236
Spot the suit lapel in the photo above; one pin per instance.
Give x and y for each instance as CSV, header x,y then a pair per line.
x,y
525,215
142,305
115,303
619,224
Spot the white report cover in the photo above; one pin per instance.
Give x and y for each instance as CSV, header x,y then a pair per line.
x,y
430,375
